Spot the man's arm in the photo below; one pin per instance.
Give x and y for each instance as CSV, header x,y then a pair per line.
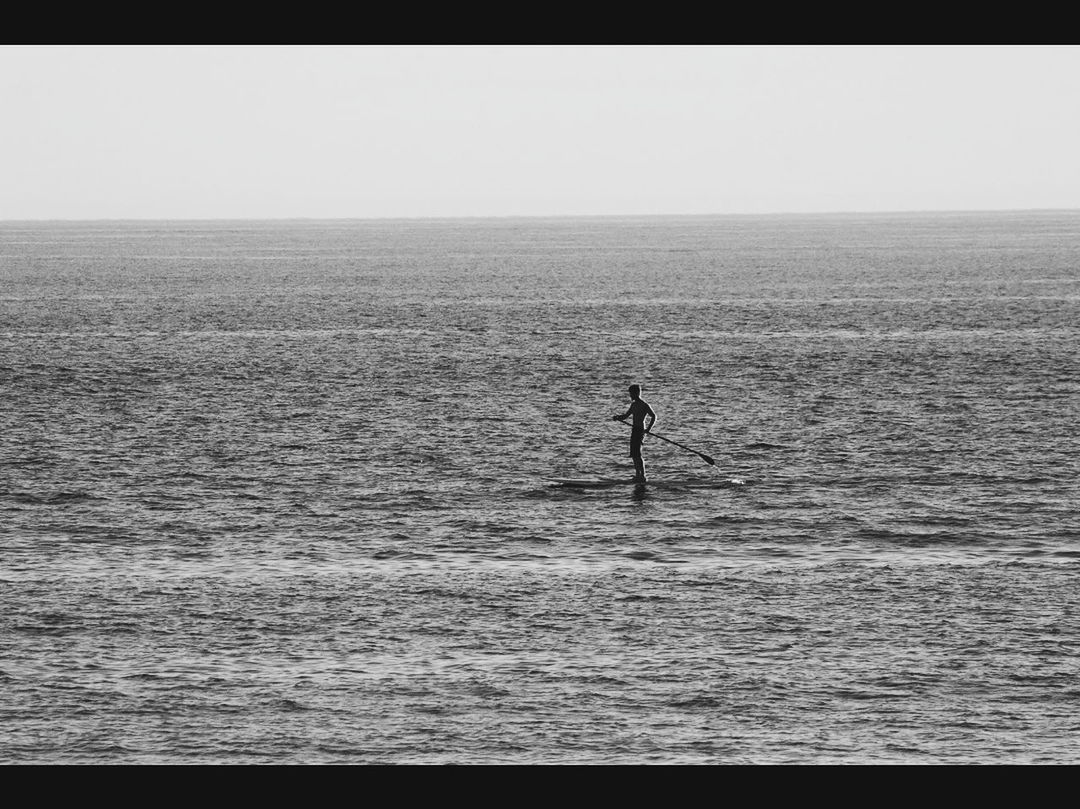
x,y
651,416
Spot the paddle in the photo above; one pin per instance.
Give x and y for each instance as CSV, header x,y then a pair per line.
x,y
701,455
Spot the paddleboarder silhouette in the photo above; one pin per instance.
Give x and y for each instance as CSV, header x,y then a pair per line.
x,y
640,410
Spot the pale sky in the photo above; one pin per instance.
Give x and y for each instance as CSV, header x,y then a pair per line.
x,y
252,132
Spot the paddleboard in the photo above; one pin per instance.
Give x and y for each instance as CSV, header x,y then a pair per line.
x,y
593,483
674,483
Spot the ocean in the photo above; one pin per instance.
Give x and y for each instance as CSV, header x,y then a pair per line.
x,y
280,492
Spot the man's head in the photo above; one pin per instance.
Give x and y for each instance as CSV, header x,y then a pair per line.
x,y
635,391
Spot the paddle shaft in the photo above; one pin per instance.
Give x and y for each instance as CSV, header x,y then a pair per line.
x,y
701,455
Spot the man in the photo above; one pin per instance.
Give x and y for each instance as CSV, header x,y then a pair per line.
x,y
639,409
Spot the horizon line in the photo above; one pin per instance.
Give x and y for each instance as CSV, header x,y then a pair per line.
x,y
472,217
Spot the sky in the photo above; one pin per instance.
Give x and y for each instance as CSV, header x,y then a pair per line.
x,y
268,132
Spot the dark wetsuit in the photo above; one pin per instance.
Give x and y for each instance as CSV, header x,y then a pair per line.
x,y
638,409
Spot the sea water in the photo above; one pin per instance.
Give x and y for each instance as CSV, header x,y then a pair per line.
x,y
278,492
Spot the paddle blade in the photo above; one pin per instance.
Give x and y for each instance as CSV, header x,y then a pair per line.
x,y
707,459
